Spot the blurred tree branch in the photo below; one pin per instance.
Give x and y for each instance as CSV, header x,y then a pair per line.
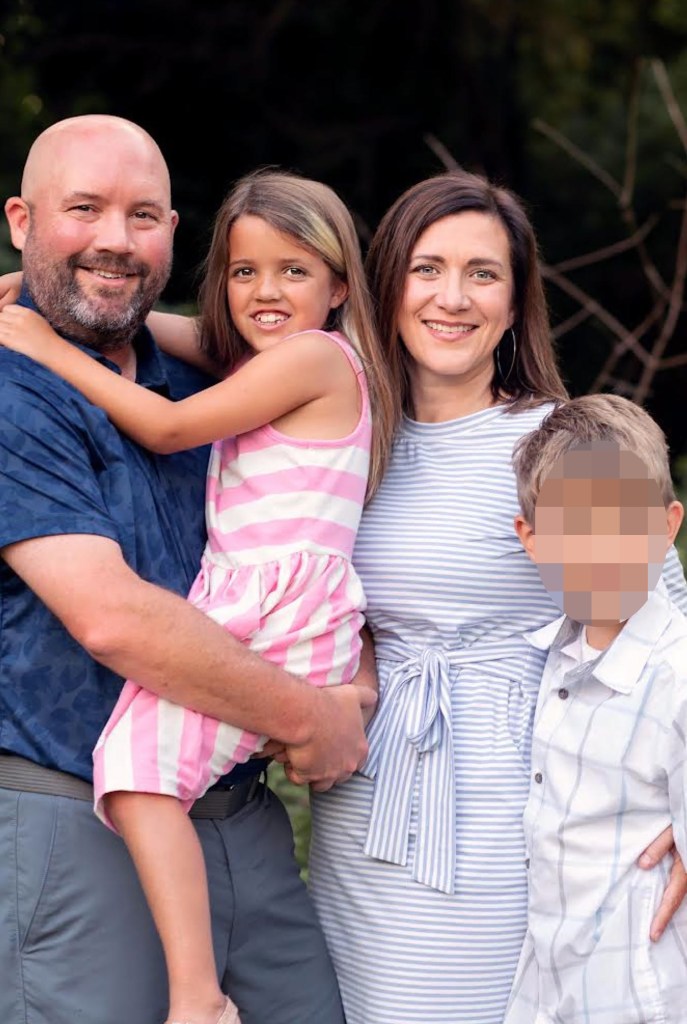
x,y
648,341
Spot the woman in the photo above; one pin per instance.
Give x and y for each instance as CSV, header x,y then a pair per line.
x,y
417,864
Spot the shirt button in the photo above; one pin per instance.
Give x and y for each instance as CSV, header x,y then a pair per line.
x,y
563,693
538,777
527,862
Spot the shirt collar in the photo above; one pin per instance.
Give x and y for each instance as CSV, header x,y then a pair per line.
x,y
620,666
150,371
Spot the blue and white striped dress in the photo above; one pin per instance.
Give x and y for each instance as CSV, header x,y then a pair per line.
x,y
417,864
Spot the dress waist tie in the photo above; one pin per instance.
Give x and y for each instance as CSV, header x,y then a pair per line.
x,y
410,733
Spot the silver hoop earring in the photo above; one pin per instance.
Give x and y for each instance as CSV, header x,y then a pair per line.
x,y
504,376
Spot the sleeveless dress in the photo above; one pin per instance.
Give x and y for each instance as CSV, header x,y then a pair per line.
x,y
282,515
417,864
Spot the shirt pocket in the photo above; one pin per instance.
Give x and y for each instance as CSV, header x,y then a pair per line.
x,y
617,974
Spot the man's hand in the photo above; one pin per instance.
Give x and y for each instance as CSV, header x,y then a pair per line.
x,y
676,888
336,746
366,676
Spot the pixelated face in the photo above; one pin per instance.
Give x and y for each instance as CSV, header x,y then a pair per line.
x,y
600,534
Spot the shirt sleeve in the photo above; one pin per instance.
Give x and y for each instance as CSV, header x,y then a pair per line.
x,y
51,468
674,579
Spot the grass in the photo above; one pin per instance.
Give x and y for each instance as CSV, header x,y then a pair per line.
x,y
297,802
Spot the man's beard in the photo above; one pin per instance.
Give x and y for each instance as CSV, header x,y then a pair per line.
x,y
104,326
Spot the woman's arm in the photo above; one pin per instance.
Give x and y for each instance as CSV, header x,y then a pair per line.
x,y
268,386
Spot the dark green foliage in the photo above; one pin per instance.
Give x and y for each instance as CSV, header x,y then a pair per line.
x,y
359,96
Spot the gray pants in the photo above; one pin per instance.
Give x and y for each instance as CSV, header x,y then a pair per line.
x,y
78,945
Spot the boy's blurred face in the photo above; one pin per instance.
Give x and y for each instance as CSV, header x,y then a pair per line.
x,y
601,533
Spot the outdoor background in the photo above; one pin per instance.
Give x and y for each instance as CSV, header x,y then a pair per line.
x,y
578,105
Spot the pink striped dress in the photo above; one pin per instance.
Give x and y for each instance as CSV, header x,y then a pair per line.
x,y
282,516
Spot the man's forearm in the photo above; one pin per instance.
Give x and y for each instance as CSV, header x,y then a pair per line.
x,y
166,645
163,643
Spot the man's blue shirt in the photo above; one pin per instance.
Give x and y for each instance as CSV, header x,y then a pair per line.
x,y
65,469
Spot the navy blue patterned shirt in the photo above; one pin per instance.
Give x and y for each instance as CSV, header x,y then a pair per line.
x,y
65,469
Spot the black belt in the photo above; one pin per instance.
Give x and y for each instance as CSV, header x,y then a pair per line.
x,y
20,774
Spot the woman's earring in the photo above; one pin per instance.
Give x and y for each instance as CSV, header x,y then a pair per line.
x,y
504,376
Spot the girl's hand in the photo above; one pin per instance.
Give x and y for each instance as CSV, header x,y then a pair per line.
x,y
27,332
10,287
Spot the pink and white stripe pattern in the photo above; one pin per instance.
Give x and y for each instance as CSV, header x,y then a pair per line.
x,y
282,516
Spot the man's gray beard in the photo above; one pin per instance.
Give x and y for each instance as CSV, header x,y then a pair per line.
x,y
61,301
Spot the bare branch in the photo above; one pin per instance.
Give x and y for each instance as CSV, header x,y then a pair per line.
x,y
677,293
596,309
440,150
609,250
578,154
568,325
621,347
672,362
625,198
672,106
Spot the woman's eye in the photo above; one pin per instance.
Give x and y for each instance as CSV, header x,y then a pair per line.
x,y
243,272
485,275
295,272
424,270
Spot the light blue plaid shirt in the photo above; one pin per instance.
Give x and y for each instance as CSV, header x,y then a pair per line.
x,y
608,775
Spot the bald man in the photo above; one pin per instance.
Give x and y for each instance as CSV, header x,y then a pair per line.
x,y
99,542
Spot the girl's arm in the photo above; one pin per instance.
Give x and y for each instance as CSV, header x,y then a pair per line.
x,y
179,336
10,287
175,334
269,385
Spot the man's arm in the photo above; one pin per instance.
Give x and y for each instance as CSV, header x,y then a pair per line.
x,y
158,639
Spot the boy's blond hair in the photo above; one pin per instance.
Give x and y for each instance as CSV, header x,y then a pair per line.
x,y
577,423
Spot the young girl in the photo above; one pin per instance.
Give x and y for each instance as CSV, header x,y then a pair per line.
x,y
285,313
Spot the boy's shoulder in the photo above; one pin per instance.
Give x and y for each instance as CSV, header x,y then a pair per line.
x,y
672,644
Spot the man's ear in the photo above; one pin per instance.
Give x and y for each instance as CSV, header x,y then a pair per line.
x,y
19,218
526,534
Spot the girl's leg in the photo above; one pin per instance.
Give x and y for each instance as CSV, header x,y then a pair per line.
x,y
165,849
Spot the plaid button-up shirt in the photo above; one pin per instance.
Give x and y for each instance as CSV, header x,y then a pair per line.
x,y
608,775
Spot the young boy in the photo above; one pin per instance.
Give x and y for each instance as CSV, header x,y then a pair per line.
x,y
608,753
